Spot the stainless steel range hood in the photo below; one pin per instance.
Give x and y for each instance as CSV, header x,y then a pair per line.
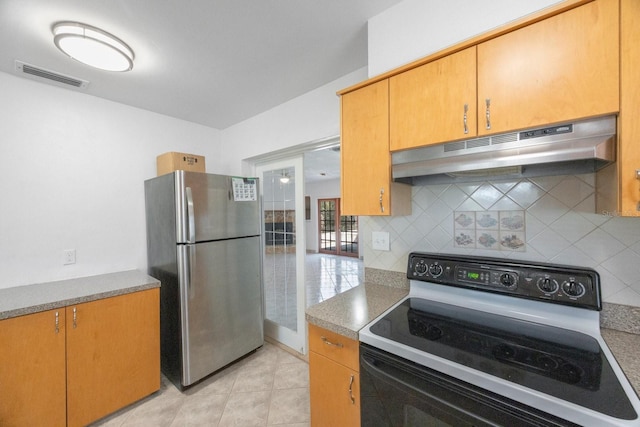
x,y
567,149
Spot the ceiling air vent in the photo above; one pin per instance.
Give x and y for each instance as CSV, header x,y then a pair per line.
x,y
42,73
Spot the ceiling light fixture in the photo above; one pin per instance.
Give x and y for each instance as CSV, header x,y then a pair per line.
x,y
92,46
284,178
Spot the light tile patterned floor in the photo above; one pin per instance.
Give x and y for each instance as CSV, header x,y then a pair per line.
x,y
267,388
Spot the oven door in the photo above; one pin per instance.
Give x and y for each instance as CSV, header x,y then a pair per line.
x,y
396,392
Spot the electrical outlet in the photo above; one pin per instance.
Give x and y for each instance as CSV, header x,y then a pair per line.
x,y
380,240
69,256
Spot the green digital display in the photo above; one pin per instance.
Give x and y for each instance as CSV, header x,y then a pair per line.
x,y
473,276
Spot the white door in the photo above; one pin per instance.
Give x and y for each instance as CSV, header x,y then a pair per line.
x,y
282,191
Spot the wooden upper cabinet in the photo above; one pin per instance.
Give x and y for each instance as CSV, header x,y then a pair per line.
x,y
625,180
365,157
562,68
434,103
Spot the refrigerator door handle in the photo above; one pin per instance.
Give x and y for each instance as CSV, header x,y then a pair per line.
x,y
191,220
191,268
185,272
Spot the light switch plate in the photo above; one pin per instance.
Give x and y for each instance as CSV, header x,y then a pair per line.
x,y
380,240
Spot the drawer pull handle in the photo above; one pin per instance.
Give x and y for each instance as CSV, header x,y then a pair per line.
x,y
327,342
57,322
75,317
353,401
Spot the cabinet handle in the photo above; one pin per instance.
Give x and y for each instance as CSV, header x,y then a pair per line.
x,y
488,112
57,322
464,118
327,342
381,205
638,178
353,401
75,317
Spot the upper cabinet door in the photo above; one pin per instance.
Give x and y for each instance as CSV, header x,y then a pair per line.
x,y
562,68
434,103
365,157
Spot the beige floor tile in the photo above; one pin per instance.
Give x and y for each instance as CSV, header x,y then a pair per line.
x,y
289,406
159,412
246,409
285,357
291,375
201,410
254,378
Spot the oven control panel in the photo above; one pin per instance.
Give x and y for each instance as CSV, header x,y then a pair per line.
x,y
540,281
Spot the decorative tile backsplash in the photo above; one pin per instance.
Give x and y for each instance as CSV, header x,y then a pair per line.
x,y
491,230
559,219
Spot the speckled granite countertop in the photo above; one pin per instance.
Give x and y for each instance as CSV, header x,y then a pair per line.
x,y
624,347
21,300
350,311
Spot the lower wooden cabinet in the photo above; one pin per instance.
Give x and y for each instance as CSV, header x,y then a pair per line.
x,y
75,365
32,370
113,354
334,380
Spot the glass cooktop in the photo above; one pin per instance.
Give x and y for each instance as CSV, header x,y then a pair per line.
x,y
559,362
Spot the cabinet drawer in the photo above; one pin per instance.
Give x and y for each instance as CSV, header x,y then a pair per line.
x,y
334,346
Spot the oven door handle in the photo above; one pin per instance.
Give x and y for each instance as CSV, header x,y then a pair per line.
x,y
409,381
373,366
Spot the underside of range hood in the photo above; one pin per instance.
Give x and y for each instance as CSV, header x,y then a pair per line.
x,y
567,149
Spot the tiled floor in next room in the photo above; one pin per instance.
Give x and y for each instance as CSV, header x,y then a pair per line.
x,y
330,275
267,388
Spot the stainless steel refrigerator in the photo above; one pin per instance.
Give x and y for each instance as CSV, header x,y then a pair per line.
x,y
203,244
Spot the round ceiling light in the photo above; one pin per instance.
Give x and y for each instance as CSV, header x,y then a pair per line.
x,y
92,46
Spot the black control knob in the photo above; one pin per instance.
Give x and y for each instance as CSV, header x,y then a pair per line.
x,y
573,288
508,279
420,268
435,270
548,285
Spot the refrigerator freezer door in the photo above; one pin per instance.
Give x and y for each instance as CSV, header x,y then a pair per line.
x,y
221,304
207,209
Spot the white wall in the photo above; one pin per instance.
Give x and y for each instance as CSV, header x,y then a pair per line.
x,y
72,175
310,117
416,28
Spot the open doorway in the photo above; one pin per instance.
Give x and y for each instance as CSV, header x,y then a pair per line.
x,y
293,280
338,234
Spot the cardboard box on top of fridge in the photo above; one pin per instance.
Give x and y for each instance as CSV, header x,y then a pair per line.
x,y
173,161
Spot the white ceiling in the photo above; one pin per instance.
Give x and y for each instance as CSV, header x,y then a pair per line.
x,y
322,165
213,62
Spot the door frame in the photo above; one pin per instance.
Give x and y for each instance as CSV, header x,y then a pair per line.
x,y
296,340
250,164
